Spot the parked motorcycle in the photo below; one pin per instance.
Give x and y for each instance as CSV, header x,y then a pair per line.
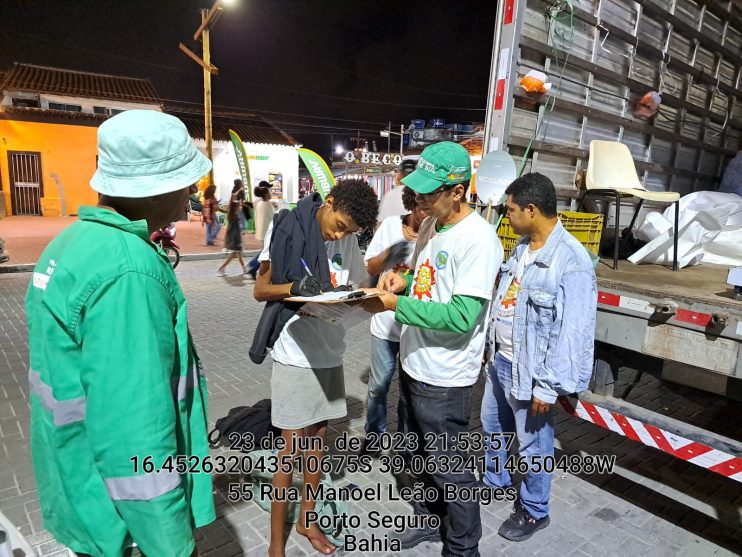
x,y
165,238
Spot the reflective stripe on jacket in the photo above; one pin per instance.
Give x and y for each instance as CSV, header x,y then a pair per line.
x,y
114,379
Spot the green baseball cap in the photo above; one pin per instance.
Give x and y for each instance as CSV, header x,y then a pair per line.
x,y
442,164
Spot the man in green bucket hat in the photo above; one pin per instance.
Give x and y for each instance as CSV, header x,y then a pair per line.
x,y
443,310
118,397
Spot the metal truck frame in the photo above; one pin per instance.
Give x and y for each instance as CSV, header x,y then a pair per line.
x,y
601,56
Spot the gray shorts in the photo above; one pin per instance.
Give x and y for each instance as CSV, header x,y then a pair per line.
x,y
303,396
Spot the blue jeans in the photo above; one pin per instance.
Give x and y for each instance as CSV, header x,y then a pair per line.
x,y
383,363
212,231
502,413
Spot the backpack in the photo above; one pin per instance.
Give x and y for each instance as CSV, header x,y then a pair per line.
x,y
242,420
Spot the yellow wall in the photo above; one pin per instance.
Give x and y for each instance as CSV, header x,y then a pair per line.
x,y
66,150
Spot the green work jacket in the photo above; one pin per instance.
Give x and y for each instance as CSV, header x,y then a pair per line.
x,y
114,379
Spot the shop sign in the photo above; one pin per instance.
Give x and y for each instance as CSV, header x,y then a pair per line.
x,y
387,159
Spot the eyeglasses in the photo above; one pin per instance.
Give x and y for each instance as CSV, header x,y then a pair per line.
x,y
428,197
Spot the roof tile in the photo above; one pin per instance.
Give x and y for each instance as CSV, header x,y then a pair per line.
x,y
42,79
250,127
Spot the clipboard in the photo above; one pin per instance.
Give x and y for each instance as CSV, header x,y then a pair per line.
x,y
336,297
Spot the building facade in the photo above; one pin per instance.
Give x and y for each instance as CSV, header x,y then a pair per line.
x,y
49,119
48,124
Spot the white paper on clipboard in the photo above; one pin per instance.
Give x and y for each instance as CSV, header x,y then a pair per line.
x,y
333,297
338,314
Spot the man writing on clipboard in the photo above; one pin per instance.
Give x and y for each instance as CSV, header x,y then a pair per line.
x,y
443,309
309,250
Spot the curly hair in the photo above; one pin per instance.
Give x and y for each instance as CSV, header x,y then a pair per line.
x,y
408,199
358,199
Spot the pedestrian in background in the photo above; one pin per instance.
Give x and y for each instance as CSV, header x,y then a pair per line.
x,y
233,237
264,212
115,381
209,215
244,214
542,330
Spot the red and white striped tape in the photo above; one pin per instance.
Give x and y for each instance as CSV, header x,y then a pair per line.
x,y
643,306
679,447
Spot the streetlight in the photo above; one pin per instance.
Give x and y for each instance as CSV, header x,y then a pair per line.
x,y
208,19
400,133
339,150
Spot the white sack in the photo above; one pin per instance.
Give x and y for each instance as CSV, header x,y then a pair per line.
x,y
710,231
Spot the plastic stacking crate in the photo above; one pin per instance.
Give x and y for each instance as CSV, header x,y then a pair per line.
x,y
586,227
508,238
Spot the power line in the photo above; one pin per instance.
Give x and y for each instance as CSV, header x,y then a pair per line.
x,y
265,123
259,110
259,85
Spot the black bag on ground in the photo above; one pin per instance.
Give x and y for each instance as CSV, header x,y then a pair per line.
x,y
241,420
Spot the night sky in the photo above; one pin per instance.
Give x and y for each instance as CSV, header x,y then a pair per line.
x,y
285,59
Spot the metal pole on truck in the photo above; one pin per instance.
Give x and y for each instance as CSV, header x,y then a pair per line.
x,y
509,22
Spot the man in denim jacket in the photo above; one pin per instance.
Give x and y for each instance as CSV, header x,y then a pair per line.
x,y
542,327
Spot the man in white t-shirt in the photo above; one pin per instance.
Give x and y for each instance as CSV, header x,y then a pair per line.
x,y
310,249
542,331
443,311
391,249
263,215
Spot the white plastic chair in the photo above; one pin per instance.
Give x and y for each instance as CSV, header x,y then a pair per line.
x,y
611,173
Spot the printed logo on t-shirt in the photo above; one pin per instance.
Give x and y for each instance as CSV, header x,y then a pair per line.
x,y
441,259
337,261
511,296
334,279
424,281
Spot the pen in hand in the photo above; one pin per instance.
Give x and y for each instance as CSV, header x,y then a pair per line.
x,y
306,268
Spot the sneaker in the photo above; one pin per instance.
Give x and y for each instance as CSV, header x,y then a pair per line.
x,y
221,272
414,536
252,274
521,525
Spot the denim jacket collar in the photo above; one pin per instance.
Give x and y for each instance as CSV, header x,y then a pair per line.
x,y
546,255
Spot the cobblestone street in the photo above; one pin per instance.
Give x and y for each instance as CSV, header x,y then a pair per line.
x,y
652,504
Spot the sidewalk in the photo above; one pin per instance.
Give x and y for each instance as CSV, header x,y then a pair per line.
x,y
652,504
26,237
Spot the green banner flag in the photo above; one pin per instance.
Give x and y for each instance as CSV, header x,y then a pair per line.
x,y
318,169
239,152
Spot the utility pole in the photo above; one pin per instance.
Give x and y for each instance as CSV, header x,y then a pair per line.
x,y
388,133
207,92
357,140
389,139
208,18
